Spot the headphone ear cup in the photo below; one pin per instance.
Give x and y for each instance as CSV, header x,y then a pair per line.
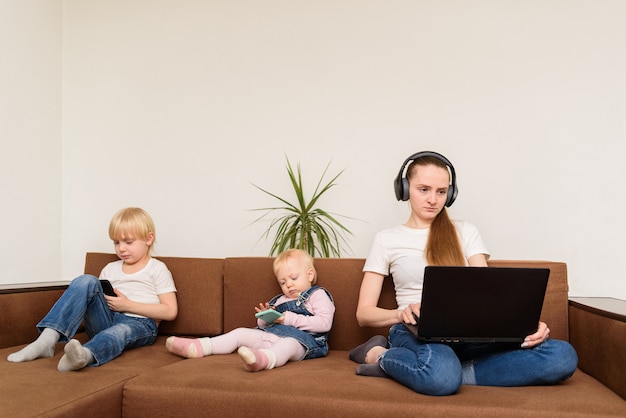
x,y
452,192
397,187
405,189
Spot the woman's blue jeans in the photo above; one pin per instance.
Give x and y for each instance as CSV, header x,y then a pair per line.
x,y
110,333
440,369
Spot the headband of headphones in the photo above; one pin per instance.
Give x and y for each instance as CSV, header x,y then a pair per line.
x,y
401,184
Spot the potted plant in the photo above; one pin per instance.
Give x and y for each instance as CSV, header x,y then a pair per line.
x,y
302,224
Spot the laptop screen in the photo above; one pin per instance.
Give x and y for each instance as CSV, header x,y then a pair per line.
x,y
481,304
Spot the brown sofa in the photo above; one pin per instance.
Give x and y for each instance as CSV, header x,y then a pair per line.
x,y
217,295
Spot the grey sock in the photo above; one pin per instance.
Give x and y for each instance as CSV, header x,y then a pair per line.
x,y
373,370
358,354
76,357
43,346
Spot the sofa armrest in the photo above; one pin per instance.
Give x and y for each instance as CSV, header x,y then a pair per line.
x,y
598,333
23,306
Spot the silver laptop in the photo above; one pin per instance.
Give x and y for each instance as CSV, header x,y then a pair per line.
x,y
480,304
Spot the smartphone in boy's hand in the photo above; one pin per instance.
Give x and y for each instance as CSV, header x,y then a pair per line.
x,y
107,288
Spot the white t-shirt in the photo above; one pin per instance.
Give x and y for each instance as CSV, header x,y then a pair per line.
x,y
399,251
144,286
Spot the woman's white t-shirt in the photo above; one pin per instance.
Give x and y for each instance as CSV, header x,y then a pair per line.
x,y
399,251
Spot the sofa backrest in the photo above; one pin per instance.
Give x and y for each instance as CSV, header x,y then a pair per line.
x,y
249,281
218,295
199,284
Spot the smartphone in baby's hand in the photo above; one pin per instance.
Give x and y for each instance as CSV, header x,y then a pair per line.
x,y
268,315
107,288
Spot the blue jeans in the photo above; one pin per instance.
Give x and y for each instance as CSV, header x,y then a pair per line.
x,y
440,369
110,333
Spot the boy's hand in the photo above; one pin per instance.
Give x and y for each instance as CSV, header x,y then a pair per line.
x,y
119,303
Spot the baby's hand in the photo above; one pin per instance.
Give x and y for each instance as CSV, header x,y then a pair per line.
x,y
262,307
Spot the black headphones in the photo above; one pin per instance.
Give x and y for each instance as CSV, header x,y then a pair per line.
x,y
401,184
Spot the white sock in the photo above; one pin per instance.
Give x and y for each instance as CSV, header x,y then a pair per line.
x,y
207,347
76,357
271,357
43,346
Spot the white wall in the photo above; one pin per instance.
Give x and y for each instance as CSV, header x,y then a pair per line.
x,y
178,106
30,141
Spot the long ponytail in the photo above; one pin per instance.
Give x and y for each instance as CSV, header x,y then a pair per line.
x,y
443,247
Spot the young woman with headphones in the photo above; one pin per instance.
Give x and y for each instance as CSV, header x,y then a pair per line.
x,y
430,237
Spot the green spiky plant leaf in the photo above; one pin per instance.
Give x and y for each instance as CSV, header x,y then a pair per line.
x,y
303,225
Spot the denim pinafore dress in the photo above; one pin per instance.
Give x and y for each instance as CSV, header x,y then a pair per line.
x,y
316,344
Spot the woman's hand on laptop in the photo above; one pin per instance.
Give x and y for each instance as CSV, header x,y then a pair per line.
x,y
542,334
406,315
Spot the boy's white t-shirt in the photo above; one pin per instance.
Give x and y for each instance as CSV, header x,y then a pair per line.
x,y
144,286
399,251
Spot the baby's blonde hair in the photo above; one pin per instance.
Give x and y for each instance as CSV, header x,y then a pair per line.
x,y
132,221
295,253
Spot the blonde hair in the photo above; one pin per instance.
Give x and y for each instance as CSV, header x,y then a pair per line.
x,y
132,221
295,253
443,247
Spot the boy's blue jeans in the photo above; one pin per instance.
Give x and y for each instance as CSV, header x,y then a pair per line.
x,y
109,332
440,369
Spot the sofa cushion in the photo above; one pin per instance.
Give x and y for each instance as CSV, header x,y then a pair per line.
x,y
219,386
37,388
